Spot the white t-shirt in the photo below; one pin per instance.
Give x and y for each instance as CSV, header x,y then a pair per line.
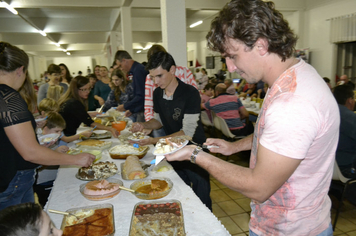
x,y
299,119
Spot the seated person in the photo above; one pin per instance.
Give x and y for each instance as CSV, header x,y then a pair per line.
x,y
346,149
26,219
230,108
206,96
47,174
344,79
230,87
251,92
261,92
122,90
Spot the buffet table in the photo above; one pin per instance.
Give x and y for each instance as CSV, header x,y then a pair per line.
x,y
65,194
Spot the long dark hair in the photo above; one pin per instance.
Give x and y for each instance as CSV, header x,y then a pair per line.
x,y
118,90
11,58
73,89
68,77
22,219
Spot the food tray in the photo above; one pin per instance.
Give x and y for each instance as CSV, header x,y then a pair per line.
x,y
109,222
124,175
145,196
172,210
140,154
90,179
102,196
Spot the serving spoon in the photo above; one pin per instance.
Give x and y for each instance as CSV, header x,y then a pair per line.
x,y
63,213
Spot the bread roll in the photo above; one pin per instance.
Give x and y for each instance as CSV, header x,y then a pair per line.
x,y
133,168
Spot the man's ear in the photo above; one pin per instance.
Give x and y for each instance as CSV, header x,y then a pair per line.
x,y
172,70
262,46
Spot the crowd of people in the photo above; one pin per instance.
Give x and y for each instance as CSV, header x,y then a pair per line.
x,y
290,165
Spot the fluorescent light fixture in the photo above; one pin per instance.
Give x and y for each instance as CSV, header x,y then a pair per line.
x,y
68,53
64,50
196,24
57,44
147,47
138,51
42,33
10,8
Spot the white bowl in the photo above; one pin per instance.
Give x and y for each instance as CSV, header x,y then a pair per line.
x,y
45,139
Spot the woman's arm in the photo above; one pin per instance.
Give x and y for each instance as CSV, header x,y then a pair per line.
x,y
24,140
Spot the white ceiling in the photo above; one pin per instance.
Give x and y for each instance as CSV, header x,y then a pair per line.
x,y
83,27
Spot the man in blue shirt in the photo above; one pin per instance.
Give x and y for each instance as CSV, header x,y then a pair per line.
x,y
135,71
346,149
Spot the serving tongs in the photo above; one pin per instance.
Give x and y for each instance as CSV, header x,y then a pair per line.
x,y
63,213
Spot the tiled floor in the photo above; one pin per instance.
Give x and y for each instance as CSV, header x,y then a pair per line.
x,y
233,209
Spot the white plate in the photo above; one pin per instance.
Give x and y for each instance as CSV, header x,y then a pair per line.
x,y
173,151
40,119
138,139
100,131
52,137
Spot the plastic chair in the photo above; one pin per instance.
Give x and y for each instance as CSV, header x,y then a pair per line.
x,y
225,129
205,120
340,179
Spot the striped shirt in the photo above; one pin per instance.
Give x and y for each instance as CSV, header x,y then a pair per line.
x,y
227,107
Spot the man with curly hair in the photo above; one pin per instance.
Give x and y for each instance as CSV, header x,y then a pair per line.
x,y
296,134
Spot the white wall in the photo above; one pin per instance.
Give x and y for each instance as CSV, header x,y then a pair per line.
x,y
75,64
317,30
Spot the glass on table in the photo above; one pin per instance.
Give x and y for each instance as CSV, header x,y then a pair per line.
x,y
119,125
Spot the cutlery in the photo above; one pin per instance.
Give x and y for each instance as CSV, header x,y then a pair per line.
x,y
93,129
127,189
204,146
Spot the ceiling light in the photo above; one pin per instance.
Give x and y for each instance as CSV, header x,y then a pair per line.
x,y
68,53
42,33
57,44
64,50
138,51
10,8
147,47
196,24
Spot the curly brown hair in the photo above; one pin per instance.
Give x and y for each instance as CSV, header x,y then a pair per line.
x,y
249,20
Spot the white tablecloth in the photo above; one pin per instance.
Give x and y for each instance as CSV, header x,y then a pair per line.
x,y
65,194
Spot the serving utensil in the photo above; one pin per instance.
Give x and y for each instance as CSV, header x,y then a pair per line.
x,y
127,189
62,213
204,146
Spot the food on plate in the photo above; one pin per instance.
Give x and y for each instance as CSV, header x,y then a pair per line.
x,y
123,151
148,189
94,144
133,169
166,145
156,186
99,223
100,170
163,166
100,187
138,135
158,218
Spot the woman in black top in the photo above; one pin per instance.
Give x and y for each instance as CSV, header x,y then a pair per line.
x,y
20,151
74,107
